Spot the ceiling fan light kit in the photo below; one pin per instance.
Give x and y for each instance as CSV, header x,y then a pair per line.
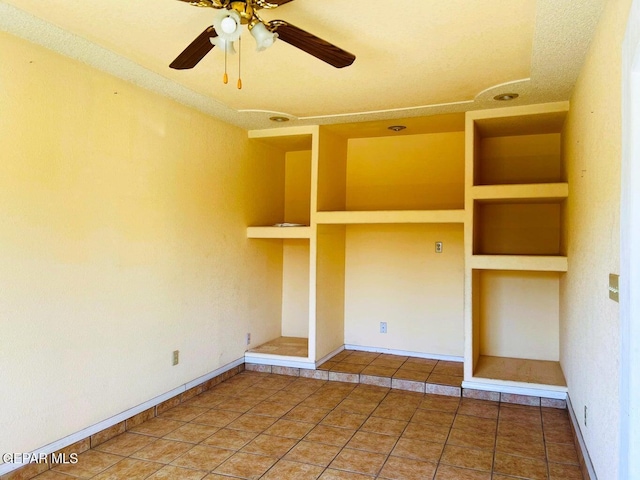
x,y
227,28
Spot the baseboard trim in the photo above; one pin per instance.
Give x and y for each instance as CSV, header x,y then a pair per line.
x,y
585,460
532,392
330,355
432,356
278,360
111,421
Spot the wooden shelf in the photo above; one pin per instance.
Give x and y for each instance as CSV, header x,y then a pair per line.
x,y
521,193
520,262
390,216
519,372
279,232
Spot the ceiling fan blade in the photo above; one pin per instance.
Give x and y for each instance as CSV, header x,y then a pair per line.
x,y
311,44
196,50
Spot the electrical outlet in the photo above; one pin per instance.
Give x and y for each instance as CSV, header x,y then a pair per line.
x,y
585,415
438,247
248,339
383,327
176,357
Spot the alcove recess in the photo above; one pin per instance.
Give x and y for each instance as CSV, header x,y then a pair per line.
x,y
285,219
515,253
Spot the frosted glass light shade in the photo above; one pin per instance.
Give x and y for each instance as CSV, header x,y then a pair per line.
x,y
264,38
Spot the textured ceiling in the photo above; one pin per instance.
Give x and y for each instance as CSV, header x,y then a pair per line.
x,y
414,58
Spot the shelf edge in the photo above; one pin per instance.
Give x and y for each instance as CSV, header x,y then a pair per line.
x,y
520,263
391,216
278,232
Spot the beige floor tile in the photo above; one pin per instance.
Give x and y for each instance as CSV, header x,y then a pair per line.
x,y
558,434
356,405
330,435
478,408
130,469
449,368
521,467
395,412
269,445
562,453
412,374
237,404
564,472
229,439
183,413
464,457
246,465
373,442
252,423
428,433
438,402
521,446
385,426
451,380
433,417
358,461
271,409
471,439
406,469
157,427
344,419
289,429
162,451
49,475
216,418
331,474
379,370
477,424
447,472
90,464
169,472
125,444
306,414
314,453
418,450
287,470
191,433
202,457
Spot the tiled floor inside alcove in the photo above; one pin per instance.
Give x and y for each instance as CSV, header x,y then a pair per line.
x,y
407,373
267,426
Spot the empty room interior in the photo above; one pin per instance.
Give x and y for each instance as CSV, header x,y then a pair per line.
x,y
385,243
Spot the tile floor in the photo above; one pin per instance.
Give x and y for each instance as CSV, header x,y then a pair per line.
x,y
397,367
273,427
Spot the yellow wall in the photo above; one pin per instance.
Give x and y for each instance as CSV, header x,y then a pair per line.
x,y
589,331
123,237
393,275
409,172
519,314
295,288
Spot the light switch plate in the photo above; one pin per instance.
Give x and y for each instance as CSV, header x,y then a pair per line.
x,y
614,292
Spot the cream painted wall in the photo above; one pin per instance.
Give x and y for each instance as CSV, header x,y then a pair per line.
x,y
122,238
393,275
408,172
295,253
519,314
589,331
295,288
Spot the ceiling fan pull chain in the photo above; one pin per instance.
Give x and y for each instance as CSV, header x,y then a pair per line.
x,y
239,62
225,77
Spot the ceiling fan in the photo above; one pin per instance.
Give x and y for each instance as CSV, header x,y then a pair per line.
x,y
226,29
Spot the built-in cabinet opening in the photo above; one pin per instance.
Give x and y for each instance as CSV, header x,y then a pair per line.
x,y
517,313
518,228
515,254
